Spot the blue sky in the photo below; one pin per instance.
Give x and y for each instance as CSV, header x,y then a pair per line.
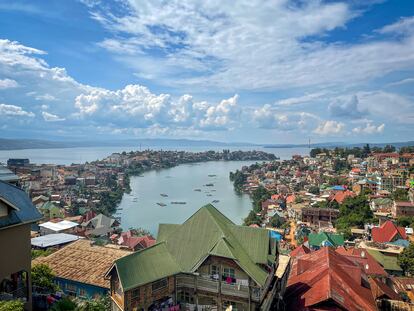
x,y
259,71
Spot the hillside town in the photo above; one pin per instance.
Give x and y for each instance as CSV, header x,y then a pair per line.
x,y
332,230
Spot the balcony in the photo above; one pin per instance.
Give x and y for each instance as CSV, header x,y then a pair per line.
x,y
206,283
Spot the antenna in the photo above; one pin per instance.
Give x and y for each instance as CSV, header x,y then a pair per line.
x,y
309,143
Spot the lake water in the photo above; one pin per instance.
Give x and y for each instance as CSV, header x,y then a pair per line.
x,y
140,209
88,154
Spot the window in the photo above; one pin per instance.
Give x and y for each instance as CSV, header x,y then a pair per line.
x,y
229,272
215,270
135,294
70,287
82,293
184,296
159,284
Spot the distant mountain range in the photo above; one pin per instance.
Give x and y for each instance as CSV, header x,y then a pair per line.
x,y
15,144
340,144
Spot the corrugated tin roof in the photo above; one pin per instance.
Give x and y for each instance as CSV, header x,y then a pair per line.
x,y
53,239
387,262
7,175
317,239
26,212
207,232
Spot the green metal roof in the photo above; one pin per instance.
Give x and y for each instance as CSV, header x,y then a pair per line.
x,y
387,262
183,248
316,239
148,265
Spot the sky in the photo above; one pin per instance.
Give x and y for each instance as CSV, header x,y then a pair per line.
x,y
256,71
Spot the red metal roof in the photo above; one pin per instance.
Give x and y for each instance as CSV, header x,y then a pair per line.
x,y
387,232
299,251
322,278
361,257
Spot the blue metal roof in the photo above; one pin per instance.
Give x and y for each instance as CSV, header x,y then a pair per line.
x,y
7,175
27,212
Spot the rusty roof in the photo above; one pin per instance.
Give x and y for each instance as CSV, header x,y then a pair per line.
x,y
82,262
324,276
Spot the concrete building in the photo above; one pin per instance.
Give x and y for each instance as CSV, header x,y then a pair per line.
x,y
17,213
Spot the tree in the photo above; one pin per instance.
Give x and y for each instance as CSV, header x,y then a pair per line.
x,y
252,219
101,304
366,150
314,190
64,304
277,221
405,221
388,148
400,195
354,212
406,259
42,278
12,305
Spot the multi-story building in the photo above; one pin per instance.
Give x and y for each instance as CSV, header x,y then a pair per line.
x,y
207,263
402,208
17,213
315,215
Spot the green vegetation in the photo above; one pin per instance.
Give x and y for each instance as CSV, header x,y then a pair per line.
x,y
12,305
238,178
354,212
258,196
42,253
405,221
314,190
139,231
42,278
400,195
64,304
277,222
406,259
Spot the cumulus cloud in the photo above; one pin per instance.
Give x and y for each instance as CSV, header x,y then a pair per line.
x,y
138,106
268,117
369,129
346,109
50,117
404,26
330,128
14,111
8,84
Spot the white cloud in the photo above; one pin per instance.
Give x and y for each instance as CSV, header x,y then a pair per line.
x,y
404,26
208,44
50,117
8,84
369,129
401,82
330,128
301,99
14,111
136,105
267,117
46,97
346,109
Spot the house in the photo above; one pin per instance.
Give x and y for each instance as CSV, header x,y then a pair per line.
x,y
100,225
326,280
340,196
8,176
135,242
318,240
405,208
64,226
207,262
40,200
367,262
299,251
17,213
50,210
381,204
388,232
316,216
53,240
80,267
387,261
